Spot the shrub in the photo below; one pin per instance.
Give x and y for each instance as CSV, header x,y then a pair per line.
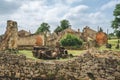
x,y
71,40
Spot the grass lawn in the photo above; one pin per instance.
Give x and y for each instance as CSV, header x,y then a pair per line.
x,y
113,42
75,52
27,53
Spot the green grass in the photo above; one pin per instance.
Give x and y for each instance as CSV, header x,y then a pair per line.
x,y
75,52
27,53
113,42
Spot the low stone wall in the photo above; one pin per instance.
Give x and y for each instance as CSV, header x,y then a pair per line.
x,y
93,64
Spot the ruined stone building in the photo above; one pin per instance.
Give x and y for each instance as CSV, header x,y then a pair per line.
x,y
54,38
27,42
14,39
88,34
23,33
22,39
10,38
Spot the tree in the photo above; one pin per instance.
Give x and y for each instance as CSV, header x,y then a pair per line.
x,y
118,34
111,35
71,40
64,24
116,21
43,29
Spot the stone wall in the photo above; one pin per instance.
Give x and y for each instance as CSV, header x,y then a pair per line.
x,y
88,34
93,64
10,37
28,41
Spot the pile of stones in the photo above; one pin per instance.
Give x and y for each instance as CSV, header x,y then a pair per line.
x,y
93,64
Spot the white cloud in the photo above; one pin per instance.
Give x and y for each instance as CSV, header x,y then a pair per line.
x,y
9,0
72,1
108,5
96,18
79,17
32,5
32,13
79,8
55,13
75,12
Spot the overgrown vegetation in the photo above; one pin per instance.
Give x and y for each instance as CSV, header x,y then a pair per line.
x,y
116,22
71,41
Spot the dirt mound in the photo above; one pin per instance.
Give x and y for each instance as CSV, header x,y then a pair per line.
x,y
93,64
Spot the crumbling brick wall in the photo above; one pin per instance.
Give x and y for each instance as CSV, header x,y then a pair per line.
x,y
101,38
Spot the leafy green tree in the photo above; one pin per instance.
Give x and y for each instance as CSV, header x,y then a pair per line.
x,y
64,24
111,34
71,40
116,21
118,34
43,29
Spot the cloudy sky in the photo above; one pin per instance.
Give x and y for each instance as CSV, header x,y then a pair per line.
x,y
29,14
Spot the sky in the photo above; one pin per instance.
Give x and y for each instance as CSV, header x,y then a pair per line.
x,y
29,14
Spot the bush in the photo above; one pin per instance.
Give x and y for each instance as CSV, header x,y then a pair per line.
x,y
71,40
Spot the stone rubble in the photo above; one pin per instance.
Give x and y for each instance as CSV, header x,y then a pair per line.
x,y
93,64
